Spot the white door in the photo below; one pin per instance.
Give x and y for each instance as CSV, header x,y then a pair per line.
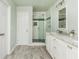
x,y
3,29
23,27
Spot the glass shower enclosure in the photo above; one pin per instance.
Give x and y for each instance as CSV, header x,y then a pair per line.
x,y
38,30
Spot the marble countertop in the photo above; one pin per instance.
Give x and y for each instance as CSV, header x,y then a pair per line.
x,y
66,38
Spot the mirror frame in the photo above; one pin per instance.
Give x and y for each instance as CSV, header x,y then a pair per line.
x,y
62,29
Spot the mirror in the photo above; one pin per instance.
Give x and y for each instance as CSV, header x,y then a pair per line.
x,y
62,18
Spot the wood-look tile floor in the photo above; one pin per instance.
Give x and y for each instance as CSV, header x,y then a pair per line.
x,y
29,52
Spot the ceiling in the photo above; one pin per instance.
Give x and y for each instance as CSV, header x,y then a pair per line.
x,y
38,5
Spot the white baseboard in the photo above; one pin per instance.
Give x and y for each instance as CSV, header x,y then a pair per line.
x,y
34,44
37,44
12,50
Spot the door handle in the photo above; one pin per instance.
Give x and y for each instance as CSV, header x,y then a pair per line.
x,y
2,34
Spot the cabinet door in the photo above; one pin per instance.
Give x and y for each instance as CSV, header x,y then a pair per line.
x,y
52,39
55,49
75,52
47,41
72,52
49,45
48,37
60,49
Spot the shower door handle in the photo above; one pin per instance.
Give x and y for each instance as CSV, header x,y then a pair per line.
x,y
26,30
38,28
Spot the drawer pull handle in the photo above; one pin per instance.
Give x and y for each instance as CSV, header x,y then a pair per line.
x,y
54,47
69,47
54,39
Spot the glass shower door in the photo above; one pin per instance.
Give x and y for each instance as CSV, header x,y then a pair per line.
x,y
38,31
41,31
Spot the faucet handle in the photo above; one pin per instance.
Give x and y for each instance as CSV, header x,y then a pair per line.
x,y
72,31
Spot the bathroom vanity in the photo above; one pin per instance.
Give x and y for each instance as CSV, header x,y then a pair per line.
x,y
62,40
61,46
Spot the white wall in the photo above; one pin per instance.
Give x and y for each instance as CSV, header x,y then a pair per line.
x,y
48,22
11,25
54,18
48,13
52,12
38,15
71,15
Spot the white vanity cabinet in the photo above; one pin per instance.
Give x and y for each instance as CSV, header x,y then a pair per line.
x,y
52,46
48,43
55,47
59,49
72,52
